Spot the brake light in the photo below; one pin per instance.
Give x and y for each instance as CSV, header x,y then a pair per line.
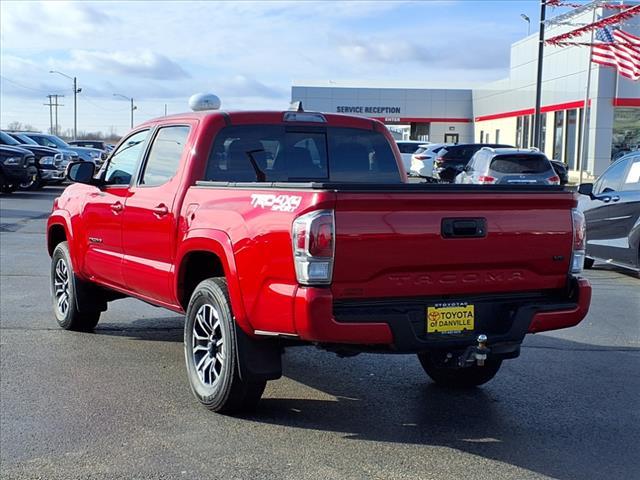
x,y
313,237
486,179
579,240
555,180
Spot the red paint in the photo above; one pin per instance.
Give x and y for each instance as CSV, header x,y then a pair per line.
x,y
424,119
564,318
530,111
387,244
626,102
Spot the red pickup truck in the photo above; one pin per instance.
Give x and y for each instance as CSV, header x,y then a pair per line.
x,y
271,229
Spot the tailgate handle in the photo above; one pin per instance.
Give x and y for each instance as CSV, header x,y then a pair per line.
x,y
464,227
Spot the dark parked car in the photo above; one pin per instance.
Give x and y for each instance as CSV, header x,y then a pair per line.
x,y
611,207
99,144
17,166
47,161
561,170
508,166
452,159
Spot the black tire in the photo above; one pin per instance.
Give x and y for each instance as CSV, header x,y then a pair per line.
x,y
63,293
588,262
34,184
467,377
213,369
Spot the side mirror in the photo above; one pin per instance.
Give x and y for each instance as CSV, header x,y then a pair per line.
x,y
586,189
81,172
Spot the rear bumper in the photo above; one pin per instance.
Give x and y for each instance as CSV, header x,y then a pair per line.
x,y
399,324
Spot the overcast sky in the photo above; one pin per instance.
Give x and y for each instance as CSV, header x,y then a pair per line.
x,y
247,53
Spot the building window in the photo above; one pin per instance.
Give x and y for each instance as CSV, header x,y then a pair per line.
x,y
626,132
486,138
570,145
497,135
557,135
525,132
519,132
481,136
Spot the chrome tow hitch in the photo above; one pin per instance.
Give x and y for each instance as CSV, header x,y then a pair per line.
x,y
476,353
481,350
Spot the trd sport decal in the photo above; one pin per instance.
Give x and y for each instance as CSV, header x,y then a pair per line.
x,y
275,203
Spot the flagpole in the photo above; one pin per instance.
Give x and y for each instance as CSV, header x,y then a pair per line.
x,y
585,130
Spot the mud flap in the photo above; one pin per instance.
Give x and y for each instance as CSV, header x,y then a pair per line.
x,y
258,359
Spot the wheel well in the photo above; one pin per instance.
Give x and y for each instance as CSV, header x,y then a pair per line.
x,y
56,236
196,267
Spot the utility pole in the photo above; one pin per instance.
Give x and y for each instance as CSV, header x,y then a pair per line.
x,y
537,127
53,104
50,105
133,107
76,91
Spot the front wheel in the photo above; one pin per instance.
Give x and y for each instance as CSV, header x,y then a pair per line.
x,y
211,352
63,293
34,182
466,377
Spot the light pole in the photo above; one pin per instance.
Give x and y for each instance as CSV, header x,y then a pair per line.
x,y
133,107
528,20
537,126
76,91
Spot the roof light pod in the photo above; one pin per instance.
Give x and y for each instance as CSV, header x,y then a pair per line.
x,y
204,101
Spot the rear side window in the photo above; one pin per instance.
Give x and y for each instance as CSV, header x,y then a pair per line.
x,y
278,153
518,164
164,155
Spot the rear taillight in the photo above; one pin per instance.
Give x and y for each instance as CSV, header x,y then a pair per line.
x,y
579,240
313,237
555,180
486,179
439,160
420,157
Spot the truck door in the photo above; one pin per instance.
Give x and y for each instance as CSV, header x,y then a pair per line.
x,y
151,216
103,211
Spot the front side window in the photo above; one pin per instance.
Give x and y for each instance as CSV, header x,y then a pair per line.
x,y
123,162
277,153
611,179
632,182
164,155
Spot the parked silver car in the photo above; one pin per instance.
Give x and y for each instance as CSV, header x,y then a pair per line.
x,y
86,154
509,166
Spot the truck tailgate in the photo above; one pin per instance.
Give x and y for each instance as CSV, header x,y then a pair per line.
x,y
393,245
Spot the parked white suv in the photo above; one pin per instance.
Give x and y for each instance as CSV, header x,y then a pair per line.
x,y
423,158
407,148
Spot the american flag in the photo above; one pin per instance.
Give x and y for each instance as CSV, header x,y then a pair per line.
x,y
617,49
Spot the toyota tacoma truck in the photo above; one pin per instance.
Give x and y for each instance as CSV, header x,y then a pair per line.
x,y
274,229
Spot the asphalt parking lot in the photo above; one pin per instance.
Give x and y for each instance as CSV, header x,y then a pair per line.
x,y
116,403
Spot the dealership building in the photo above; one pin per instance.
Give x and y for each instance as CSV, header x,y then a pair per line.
x,y
502,111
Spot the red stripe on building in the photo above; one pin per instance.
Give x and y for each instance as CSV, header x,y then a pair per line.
x,y
626,102
531,111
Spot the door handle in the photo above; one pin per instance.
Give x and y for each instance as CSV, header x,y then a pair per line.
x,y
160,210
117,207
616,198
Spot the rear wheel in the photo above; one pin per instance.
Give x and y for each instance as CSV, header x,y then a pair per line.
x,y
63,293
466,377
211,352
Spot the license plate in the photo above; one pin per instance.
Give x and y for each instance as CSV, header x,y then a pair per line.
x,y
450,318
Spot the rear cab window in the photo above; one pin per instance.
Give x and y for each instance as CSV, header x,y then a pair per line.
x,y
282,153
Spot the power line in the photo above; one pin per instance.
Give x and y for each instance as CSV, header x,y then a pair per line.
x,y
21,85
